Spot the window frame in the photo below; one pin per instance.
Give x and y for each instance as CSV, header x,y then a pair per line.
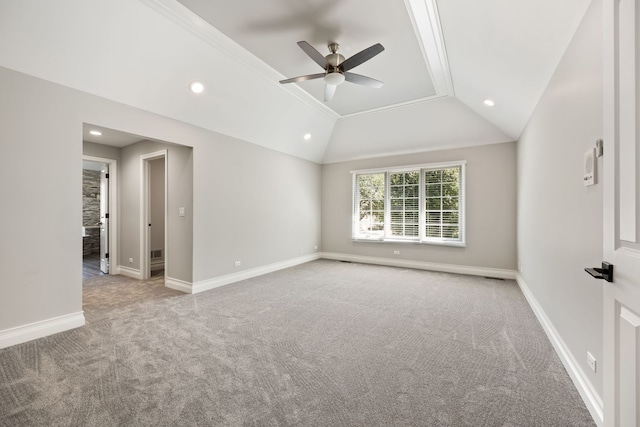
x,y
387,237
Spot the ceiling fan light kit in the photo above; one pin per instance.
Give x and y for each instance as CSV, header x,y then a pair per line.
x,y
334,78
336,68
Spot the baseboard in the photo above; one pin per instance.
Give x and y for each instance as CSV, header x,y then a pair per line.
x,y
421,265
589,395
129,272
40,329
205,285
178,285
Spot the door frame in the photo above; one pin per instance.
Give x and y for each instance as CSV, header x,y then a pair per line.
x,y
145,194
114,266
621,299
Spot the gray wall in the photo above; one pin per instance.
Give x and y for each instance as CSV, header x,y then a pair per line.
x,y
490,210
256,206
40,172
249,203
560,220
179,194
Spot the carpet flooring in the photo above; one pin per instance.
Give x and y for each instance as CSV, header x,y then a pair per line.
x,y
321,344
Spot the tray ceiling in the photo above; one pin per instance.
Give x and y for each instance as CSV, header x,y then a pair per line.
x,y
270,30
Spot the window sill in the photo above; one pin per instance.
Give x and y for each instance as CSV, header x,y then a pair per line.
x,y
415,242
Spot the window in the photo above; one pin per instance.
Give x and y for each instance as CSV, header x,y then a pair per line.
x,y
422,204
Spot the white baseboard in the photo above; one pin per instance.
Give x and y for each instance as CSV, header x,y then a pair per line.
x,y
205,285
178,285
591,399
40,329
129,272
421,265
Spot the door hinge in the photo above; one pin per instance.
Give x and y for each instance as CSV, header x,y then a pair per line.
x,y
106,216
106,255
106,176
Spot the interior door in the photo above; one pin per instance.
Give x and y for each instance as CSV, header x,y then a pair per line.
x,y
621,355
104,219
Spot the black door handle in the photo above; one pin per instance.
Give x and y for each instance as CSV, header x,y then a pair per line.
x,y
605,273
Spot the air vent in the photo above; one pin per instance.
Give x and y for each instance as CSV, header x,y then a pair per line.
x,y
156,253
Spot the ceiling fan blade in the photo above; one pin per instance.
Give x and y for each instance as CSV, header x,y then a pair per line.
x,y
313,54
303,78
362,80
361,57
329,91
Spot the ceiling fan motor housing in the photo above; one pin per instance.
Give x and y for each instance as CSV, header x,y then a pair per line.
x,y
334,58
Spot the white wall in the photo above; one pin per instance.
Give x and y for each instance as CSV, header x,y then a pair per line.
x,y
490,210
100,150
560,220
249,203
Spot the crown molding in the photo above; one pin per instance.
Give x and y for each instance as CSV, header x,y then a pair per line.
x,y
395,106
393,153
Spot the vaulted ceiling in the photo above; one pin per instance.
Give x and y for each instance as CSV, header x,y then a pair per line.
x,y
442,59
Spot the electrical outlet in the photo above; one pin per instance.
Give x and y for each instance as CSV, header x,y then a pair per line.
x,y
396,252
236,264
591,361
130,260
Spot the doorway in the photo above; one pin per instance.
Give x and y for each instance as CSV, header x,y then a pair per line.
x,y
153,247
98,199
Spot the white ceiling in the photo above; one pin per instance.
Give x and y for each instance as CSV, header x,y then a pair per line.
x,y
270,30
109,136
144,53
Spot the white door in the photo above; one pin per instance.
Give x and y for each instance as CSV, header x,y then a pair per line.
x,y
621,180
104,219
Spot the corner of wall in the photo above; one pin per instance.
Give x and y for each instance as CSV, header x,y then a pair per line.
x,y
587,391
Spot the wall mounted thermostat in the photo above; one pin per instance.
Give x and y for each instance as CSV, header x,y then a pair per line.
x,y
589,168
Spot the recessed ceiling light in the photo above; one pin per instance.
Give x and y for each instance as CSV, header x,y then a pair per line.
x,y
95,132
307,136
196,87
489,102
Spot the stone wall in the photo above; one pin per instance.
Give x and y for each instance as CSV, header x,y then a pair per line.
x,y
91,210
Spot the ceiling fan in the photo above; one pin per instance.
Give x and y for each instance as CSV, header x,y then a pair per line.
x,y
336,68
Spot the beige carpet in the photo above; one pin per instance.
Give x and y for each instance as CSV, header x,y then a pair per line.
x,y
322,344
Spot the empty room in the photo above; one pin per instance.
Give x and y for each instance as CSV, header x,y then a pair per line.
x,y
319,213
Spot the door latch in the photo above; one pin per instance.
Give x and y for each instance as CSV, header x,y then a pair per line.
x,y
606,272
